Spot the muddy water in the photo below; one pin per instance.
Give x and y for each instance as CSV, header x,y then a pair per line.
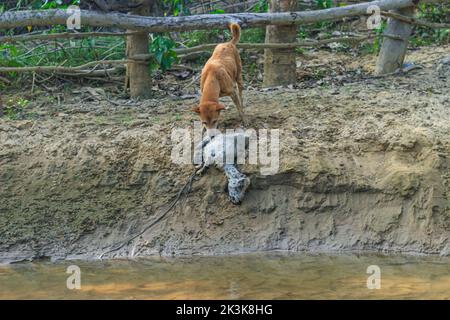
x,y
253,276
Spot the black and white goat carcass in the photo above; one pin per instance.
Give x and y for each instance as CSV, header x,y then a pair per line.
x,y
224,152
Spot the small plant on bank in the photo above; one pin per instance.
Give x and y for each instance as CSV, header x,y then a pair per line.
x,y
164,53
176,7
261,6
379,38
15,109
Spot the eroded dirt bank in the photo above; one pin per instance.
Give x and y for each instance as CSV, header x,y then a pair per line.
x,y
364,165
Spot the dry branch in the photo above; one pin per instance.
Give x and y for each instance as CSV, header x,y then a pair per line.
x,y
64,35
91,73
61,69
260,46
5,80
13,19
415,21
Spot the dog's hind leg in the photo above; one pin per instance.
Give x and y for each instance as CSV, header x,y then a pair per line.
x,y
240,86
237,101
239,80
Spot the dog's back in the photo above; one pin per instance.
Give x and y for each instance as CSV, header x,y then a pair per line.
x,y
228,49
225,55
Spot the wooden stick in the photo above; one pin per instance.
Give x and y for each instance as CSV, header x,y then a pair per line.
x,y
90,73
261,46
415,21
64,35
5,80
61,69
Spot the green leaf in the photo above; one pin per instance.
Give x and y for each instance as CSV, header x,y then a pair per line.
x,y
218,11
164,54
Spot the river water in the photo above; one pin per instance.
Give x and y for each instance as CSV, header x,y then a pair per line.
x,y
249,276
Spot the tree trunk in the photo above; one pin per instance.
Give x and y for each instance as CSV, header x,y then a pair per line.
x,y
393,51
138,74
13,19
279,64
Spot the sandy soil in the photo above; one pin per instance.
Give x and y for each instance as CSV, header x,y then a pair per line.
x,y
364,165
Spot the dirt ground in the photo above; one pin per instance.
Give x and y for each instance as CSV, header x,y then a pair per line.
x,y
364,165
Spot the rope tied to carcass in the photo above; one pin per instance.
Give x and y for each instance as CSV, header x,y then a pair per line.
x,y
184,190
213,151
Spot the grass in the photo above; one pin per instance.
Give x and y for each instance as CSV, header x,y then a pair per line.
x,y
15,109
68,53
126,119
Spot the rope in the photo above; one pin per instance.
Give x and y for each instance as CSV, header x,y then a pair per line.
x,y
119,245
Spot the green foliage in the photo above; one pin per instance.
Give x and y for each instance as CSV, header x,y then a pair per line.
x,y
176,7
15,109
198,37
261,6
324,4
379,39
60,53
9,57
163,50
439,13
218,11
50,4
302,32
9,54
253,35
434,12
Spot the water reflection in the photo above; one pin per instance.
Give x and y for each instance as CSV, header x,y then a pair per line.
x,y
253,276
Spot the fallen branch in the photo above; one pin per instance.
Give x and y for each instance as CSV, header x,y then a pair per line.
x,y
260,46
392,36
415,21
90,73
64,35
5,80
309,43
61,69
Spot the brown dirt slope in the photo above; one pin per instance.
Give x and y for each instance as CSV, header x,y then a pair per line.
x,y
364,165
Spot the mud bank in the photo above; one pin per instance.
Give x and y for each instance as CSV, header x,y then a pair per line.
x,y
364,165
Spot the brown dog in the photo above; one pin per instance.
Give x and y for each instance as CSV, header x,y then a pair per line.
x,y
221,76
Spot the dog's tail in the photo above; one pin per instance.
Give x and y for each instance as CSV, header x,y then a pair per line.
x,y
236,31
